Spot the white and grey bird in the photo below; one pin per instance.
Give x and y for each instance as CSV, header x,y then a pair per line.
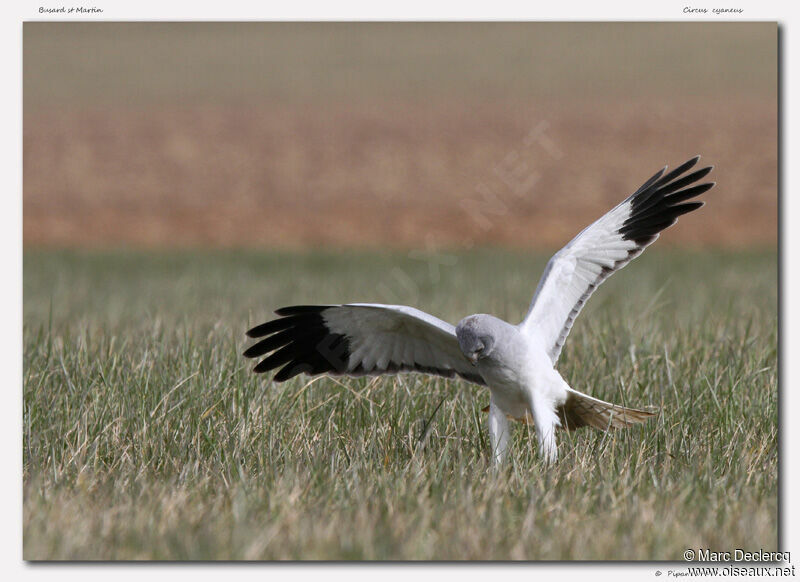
x,y
516,362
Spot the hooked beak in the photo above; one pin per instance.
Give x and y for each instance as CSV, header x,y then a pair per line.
x,y
473,357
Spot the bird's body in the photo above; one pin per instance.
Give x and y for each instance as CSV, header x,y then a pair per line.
x,y
536,391
516,362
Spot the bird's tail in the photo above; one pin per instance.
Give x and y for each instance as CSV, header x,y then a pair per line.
x,y
582,410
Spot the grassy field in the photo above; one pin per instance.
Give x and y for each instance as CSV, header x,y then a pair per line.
x,y
147,437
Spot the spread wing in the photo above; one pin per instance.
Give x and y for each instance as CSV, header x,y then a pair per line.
x,y
358,339
604,247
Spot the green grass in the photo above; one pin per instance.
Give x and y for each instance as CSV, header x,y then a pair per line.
x,y
147,437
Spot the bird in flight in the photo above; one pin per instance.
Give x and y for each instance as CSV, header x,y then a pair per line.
x,y
516,362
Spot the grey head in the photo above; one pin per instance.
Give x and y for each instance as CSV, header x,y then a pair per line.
x,y
479,335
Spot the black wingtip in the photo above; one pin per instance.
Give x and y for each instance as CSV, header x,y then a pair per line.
x,y
657,204
652,180
298,341
269,327
252,351
260,368
300,309
690,163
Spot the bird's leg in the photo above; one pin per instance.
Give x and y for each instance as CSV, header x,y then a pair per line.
x,y
546,421
498,432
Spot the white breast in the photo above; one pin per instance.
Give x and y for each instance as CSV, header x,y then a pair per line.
x,y
511,382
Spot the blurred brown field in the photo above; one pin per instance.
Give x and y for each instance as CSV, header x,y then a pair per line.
x,y
284,135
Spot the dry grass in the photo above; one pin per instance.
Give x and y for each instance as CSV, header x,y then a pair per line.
x,y
388,175
147,437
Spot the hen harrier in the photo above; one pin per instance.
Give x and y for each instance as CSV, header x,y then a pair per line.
x,y
516,362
